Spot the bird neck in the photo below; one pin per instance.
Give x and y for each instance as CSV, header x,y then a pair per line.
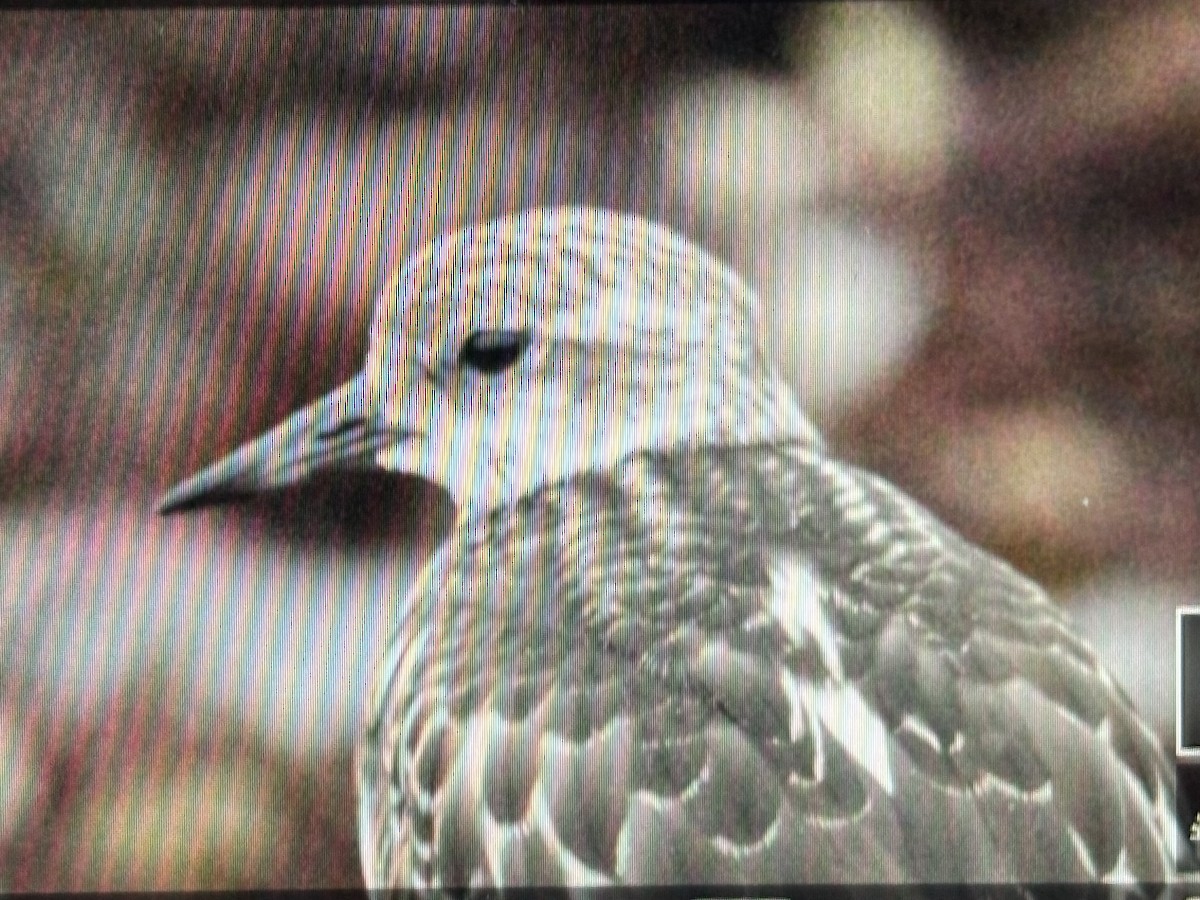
x,y
750,412
722,480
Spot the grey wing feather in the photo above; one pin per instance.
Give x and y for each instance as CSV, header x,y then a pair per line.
x,y
1003,719
680,678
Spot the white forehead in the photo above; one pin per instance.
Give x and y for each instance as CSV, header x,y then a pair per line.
x,y
577,273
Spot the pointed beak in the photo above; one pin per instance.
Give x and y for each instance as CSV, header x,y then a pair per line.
x,y
337,431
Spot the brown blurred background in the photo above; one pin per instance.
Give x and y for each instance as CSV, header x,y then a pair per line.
x,y
975,229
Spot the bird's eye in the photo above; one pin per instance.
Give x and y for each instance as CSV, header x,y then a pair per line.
x,y
493,350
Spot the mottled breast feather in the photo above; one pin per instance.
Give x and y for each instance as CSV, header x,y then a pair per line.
x,y
752,665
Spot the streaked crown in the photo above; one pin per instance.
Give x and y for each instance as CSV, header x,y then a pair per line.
x,y
556,341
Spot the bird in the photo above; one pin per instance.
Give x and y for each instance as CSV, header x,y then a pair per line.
x,y
671,637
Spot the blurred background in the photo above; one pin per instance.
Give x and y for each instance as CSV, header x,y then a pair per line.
x,y
974,228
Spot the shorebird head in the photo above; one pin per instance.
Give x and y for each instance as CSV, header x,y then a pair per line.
x,y
509,355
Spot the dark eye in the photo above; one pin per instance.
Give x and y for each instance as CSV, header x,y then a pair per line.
x,y
493,351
